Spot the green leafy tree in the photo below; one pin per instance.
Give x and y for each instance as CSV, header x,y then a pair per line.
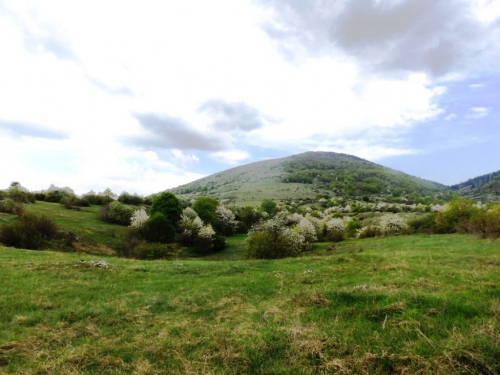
x,y
205,207
268,206
167,204
158,229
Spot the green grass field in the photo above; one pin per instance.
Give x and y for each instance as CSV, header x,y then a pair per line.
x,y
91,233
409,304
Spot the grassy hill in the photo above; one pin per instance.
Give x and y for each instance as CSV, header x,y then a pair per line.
x,y
411,304
304,177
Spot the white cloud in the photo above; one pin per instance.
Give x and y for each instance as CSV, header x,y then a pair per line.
x,y
366,150
451,116
478,112
231,156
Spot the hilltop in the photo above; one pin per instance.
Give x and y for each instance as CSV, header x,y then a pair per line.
x,y
305,177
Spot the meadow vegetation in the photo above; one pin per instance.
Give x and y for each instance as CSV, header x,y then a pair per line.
x,y
370,284
401,304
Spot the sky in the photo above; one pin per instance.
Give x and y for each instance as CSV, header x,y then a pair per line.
x,y
142,96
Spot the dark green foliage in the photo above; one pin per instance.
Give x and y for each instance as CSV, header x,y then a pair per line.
x,y
205,246
40,196
167,204
73,202
97,200
205,208
334,236
158,229
269,207
29,231
55,196
352,227
248,215
150,251
127,198
241,227
352,176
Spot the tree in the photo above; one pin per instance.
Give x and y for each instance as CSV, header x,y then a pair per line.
x,y
268,206
205,208
167,204
158,229
109,193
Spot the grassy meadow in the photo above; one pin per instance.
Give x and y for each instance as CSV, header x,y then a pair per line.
x,y
407,304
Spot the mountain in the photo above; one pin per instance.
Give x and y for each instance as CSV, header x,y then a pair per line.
x,y
304,177
485,187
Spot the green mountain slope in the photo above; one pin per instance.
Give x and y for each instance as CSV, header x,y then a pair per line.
x,y
303,177
486,187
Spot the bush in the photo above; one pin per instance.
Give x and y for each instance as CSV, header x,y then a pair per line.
x,y
271,240
248,215
168,205
158,229
334,236
97,200
71,202
116,213
205,208
425,224
40,196
55,196
456,216
370,231
352,227
226,221
29,231
10,206
268,206
487,224
127,198
241,227
150,251
393,224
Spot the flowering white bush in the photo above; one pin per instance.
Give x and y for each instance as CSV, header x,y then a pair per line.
x,y
189,213
335,224
271,239
139,217
227,219
369,231
392,223
439,208
206,241
189,225
307,230
206,232
319,224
